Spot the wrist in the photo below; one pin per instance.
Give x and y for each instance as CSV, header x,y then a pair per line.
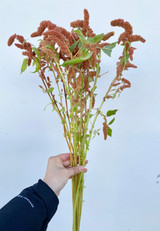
x,y
49,185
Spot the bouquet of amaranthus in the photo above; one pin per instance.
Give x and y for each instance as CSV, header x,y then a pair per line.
x,y
73,60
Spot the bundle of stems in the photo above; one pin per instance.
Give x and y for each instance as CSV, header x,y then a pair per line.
x,y
73,61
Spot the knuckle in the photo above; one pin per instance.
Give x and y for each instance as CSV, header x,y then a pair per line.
x,y
50,158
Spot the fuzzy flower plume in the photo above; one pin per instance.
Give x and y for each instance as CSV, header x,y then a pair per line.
x,y
135,38
131,50
23,45
121,23
108,35
105,128
77,23
11,39
86,19
42,27
128,64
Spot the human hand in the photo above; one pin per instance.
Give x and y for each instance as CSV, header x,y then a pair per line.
x,y
59,170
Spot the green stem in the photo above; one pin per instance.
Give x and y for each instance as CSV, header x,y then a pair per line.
x,y
98,110
63,79
90,105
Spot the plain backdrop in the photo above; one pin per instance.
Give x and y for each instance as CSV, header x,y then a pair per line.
x,y
122,193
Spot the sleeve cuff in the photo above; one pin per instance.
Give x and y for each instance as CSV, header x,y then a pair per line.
x,y
48,196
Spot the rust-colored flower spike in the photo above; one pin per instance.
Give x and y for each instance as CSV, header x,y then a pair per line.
x,y
105,126
108,35
77,23
26,46
43,25
121,23
135,38
123,37
128,64
131,50
86,21
11,39
56,32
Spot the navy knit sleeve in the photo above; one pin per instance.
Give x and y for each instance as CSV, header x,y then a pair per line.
x,y
31,210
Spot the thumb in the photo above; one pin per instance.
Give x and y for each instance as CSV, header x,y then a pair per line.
x,y
75,170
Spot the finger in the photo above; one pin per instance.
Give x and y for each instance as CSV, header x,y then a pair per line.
x,y
84,172
64,156
75,170
67,163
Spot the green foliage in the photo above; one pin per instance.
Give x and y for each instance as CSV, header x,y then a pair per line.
x,y
50,90
79,32
80,59
114,95
126,54
125,57
79,45
71,114
109,131
111,122
86,142
23,42
111,112
37,65
24,65
91,115
33,63
95,132
82,39
90,79
73,46
46,106
96,38
37,52
53,49
108,49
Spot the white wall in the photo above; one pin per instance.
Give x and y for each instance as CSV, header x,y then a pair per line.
x,y
121,191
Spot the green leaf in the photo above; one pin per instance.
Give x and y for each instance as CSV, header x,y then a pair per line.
x,y
37,52
82,39
114,95
37,65
53,49
46,106
23,42
108,49
109,131
71,114
75,109
79,45
24,65
80,59
33,63
79,32
91,115
111,112
50,90
95,39
73,46
90,79
111,122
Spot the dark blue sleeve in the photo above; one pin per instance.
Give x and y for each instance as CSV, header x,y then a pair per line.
x,y
31,210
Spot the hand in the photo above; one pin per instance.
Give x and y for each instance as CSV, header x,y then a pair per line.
x,y
59,171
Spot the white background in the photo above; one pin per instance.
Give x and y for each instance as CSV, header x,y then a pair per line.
x,y
121,191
